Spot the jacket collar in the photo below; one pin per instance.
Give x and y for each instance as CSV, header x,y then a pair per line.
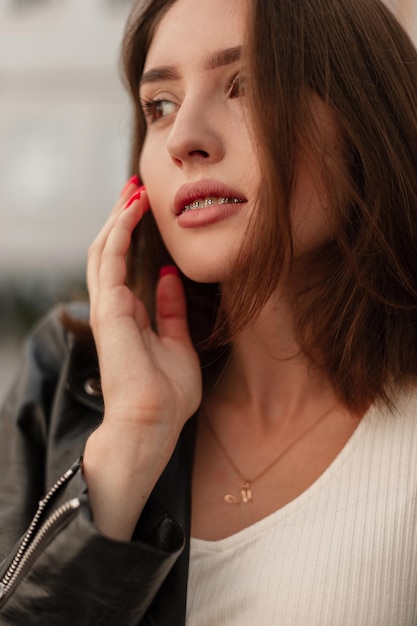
x,y
83,380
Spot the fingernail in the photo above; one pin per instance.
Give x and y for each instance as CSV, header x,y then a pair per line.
x,y
132,181
136,196
168,269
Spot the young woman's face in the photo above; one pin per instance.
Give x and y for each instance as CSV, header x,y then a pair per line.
x,y
199,160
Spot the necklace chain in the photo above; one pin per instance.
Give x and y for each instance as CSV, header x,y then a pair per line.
x,y
246,495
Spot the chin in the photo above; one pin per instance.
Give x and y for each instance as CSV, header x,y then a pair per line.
x,y
200,274
203,262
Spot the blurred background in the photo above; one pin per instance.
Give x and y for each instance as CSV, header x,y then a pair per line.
x,y
64,150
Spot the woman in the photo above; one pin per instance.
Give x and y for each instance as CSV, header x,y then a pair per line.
x,y
261,397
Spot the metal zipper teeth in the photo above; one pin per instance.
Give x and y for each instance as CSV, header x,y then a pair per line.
x,y
17,567
33,525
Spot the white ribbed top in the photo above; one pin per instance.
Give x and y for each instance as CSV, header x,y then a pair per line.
x,y
344,552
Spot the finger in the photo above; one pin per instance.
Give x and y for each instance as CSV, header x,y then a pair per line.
x,y
132,182
171,306
112,270
111,300
95,251
96,248
130,190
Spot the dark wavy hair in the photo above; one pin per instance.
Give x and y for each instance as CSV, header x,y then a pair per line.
x,y
359,321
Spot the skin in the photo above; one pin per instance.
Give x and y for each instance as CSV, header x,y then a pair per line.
x,y
268,395
205,133
202,130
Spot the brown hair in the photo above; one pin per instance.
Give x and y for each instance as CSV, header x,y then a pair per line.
x,y
359,323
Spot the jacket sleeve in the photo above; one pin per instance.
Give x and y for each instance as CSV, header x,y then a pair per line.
x,y
62,570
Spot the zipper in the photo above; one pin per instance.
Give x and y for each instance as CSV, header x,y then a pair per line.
x,y
34,536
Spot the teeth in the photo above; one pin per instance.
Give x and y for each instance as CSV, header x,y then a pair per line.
x,y
202,203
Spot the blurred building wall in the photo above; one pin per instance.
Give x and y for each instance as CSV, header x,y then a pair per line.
x,y
64,122
64,143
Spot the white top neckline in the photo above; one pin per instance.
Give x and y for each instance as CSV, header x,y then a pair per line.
x,y
284,513
343,552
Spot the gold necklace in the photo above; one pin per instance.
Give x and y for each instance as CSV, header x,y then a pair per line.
x,y
245,492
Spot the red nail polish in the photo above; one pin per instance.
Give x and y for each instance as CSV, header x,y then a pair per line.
x,y
132,199
132,181
136,196
168,269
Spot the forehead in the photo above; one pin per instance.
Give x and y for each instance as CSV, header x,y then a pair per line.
x,y
192,29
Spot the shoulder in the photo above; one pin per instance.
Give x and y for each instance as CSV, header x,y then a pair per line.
x,y
400,420
63,347
391,438
49,342
52,354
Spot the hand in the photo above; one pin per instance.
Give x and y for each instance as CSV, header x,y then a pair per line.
x,y
151,381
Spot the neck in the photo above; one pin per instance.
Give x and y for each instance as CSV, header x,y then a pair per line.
x,y
268,378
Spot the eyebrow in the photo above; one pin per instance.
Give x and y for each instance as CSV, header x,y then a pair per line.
x,y
216,59
220,58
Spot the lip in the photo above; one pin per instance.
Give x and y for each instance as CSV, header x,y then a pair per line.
x,y
190,192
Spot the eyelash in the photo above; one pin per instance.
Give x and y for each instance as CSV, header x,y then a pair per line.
x,y
150,106
239,82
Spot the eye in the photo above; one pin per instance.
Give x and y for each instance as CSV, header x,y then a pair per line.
x,y
155,110
237,87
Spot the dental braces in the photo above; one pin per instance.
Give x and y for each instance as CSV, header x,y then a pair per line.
x,y
201,204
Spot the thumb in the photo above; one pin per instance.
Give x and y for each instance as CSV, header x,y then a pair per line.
x,y
171,306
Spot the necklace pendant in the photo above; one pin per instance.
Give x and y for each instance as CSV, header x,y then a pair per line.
x,y
244,498
246,493
229,499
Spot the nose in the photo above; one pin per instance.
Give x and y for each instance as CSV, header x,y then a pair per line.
x,y
196,135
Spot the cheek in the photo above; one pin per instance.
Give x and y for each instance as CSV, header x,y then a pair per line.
x,y
310,216
151,174
313,219
152,160
145,163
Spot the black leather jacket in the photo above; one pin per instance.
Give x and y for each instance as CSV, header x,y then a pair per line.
x,y
64,571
